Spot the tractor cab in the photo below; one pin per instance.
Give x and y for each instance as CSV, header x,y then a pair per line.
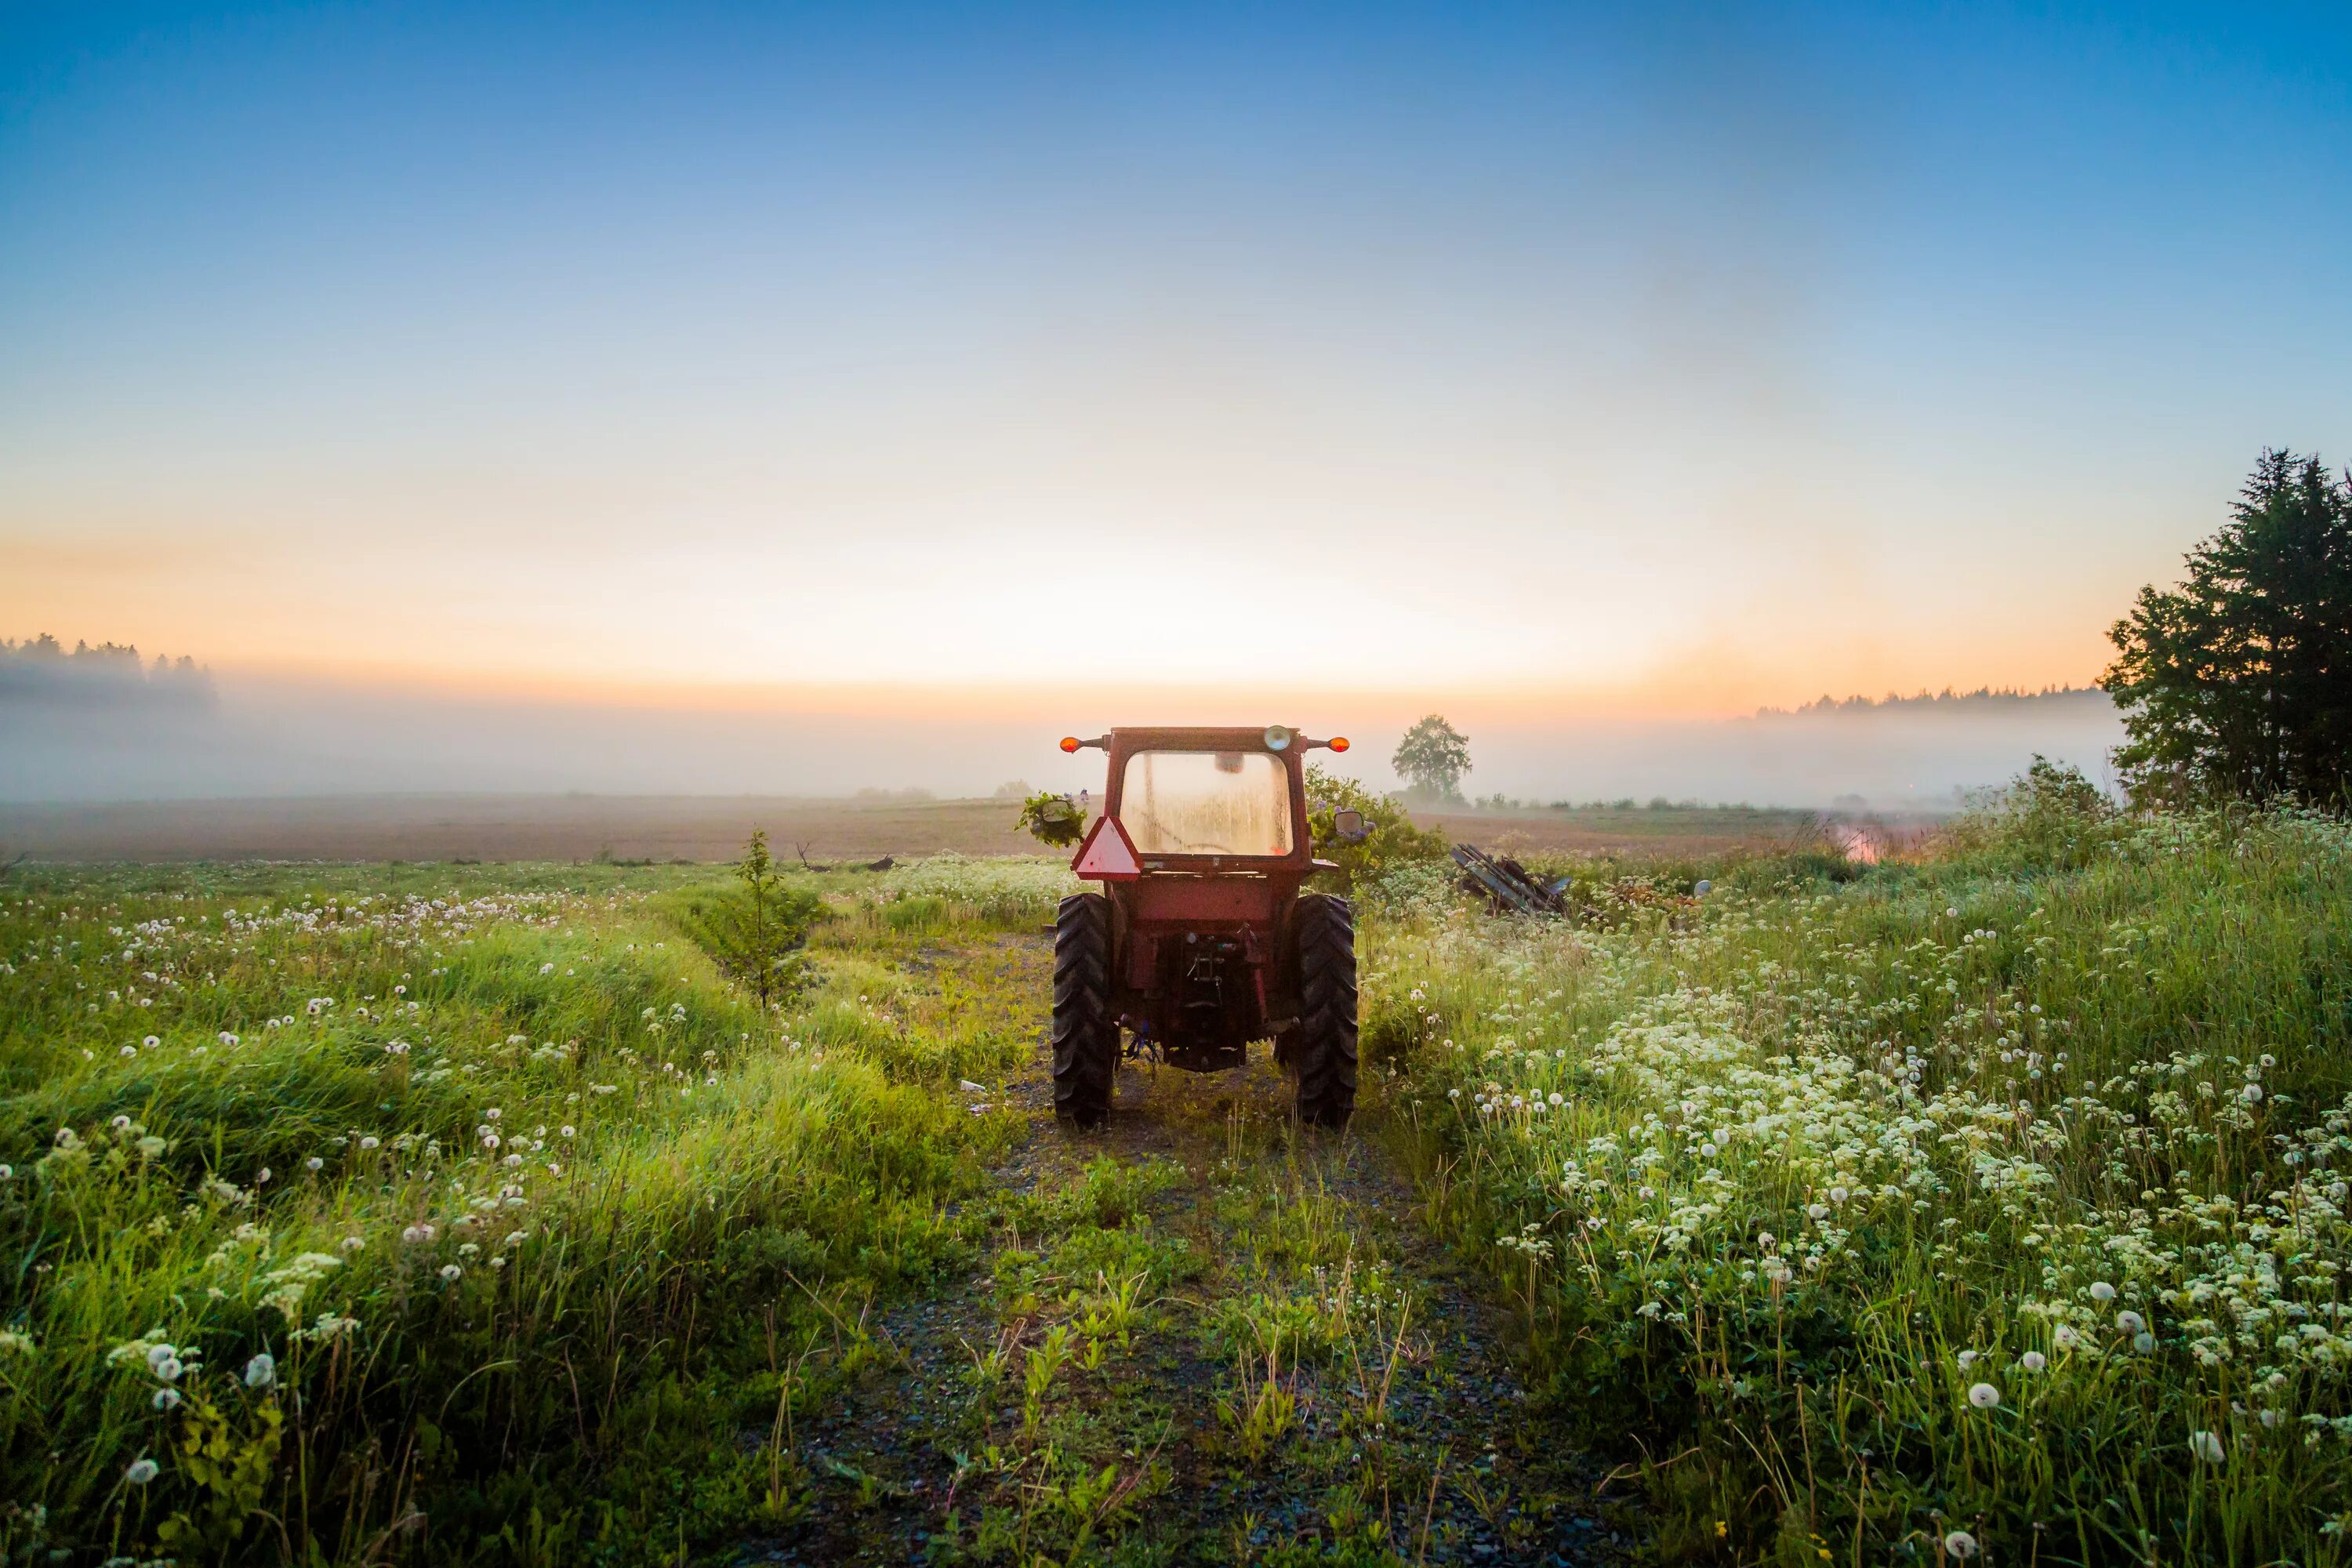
x,y
1202,940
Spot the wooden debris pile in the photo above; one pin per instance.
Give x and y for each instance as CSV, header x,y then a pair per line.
x,y
1509,888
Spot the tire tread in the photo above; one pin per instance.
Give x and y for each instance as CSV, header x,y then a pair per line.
x,y
1085,1033
1324,1054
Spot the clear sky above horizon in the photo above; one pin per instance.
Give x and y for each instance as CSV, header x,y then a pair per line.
x,y
1677,358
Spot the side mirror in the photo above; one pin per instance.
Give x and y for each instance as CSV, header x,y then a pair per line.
x,y
1350,825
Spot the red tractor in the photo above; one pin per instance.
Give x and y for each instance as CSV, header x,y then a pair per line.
x,y
1201,940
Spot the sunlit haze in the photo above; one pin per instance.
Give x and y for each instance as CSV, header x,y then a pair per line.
x,y
991,361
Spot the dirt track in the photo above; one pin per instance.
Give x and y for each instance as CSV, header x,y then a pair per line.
x,y
505,827
1413,1433
494,828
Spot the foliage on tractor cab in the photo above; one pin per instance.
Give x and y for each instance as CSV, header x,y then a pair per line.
x,y
1390,840
1055,819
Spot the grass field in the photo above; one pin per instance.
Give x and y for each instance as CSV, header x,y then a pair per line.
x,y
1989,1201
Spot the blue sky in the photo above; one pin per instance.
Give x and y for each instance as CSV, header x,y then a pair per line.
x,y
1672,357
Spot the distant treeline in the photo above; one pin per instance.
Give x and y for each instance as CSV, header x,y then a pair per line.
x,y
1998,698
111,675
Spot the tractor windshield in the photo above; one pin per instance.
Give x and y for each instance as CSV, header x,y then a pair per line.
x,y
1206,803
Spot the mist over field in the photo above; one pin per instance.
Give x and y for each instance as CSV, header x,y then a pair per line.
x,y
262,737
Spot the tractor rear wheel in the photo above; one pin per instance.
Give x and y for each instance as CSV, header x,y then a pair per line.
x,y
1323,1046
1086,1034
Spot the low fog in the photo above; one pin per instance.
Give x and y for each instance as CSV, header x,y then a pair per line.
x,y
251,737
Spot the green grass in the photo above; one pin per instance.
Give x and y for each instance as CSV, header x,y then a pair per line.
x,y
2055,1117
487,1161
1831,1147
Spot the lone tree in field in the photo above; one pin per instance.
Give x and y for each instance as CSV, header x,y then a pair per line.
x,y
1431,759
769,925
2238,684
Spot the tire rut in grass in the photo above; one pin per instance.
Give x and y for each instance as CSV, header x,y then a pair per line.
x,y
1199,1334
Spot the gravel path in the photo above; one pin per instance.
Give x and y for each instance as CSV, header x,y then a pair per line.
x,y
1286,1365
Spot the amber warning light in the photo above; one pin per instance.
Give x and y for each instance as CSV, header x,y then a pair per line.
x,y
1069,742
1339,743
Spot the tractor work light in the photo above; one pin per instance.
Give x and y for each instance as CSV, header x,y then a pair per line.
x,y
1278,736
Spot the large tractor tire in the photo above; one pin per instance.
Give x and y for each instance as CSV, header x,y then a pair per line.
x,y
1086,1034
1323,1048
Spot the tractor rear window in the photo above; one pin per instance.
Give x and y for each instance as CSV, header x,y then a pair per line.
x,y
1206,803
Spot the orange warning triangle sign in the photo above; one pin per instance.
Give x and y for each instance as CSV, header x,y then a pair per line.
x,y
1108,855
